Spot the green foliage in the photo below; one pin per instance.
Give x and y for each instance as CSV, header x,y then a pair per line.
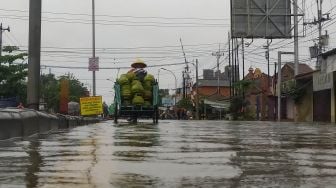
x,y
242,86
13,73
296,93
238,103
185,103
77,89
50,90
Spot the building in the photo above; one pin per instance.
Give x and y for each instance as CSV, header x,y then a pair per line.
x,y
214,95
324,89
257,95
288,102
304,105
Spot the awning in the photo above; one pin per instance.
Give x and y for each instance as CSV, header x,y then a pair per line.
x,y
218,104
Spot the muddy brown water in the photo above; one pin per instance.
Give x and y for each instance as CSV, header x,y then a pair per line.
x,y
174,154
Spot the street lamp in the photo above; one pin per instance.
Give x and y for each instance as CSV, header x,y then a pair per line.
x,y
175,82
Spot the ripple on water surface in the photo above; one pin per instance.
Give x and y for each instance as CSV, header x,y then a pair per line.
x,y
174,154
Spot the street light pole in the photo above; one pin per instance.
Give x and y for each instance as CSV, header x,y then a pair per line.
x,y
175,82
279,82
197,94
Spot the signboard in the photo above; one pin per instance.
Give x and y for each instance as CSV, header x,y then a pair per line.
x,y
94,64
91,106
322,81
167,101
261,18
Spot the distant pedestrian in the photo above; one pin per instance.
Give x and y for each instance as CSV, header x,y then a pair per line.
x,y
105,110
178,113
20,105
189,115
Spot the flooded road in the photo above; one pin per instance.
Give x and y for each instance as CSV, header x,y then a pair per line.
x,y
174,154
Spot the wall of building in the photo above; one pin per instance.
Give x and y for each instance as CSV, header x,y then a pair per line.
x,y
305,106
210,90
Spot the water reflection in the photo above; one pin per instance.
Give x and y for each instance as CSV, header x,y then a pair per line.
x,y
137,139
174,154
35,162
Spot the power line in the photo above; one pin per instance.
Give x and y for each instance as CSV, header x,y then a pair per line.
x,y
122,23
119,16
110,68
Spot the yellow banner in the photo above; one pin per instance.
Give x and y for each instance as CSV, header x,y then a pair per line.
x,y
91,106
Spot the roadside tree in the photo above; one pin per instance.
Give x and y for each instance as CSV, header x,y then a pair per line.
x,y
13,73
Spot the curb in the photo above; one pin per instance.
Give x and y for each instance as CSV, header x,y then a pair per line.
x,y
16,122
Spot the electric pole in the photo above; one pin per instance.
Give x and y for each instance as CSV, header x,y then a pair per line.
x,y
296,38
93,46
1,31
320,19
218,55
186,77
243,56
34,51
233,71
267,56
230,68
197,94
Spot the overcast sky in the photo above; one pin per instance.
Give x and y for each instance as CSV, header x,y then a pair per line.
x,y
127,29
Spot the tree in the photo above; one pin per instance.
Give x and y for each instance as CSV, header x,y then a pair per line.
x,y
238,102
185,103
50,90
77,89
13,74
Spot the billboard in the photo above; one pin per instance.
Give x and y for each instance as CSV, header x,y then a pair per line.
x,y
261,18
91,106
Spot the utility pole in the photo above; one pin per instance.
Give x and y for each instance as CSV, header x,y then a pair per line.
x,y
237,59
234,67
296,38
34,51
274,89
279,82
319,15
93,46
243,56
318,22
1,31
184,85
197,94
267,56
218,55
230,68
186,76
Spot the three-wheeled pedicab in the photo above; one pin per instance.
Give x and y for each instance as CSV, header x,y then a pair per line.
x,y
133,112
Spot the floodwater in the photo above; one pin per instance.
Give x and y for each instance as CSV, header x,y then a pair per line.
x,y
174,154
